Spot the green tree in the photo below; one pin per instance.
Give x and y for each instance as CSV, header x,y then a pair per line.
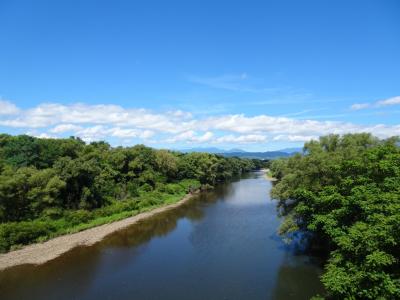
x,y
345,191
51,186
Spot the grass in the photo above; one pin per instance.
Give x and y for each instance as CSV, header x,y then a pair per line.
x,y
14,235
269,176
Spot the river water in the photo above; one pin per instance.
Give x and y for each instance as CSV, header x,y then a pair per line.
x,y
219,245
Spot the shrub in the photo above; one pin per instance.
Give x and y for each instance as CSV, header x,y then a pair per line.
x,y
78,217
23,233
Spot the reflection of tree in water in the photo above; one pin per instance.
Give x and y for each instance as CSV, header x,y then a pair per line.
x,y
141,232
298,278
53,279
160,224
299,271
73,273
222,192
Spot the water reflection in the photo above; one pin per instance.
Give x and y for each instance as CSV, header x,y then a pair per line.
x,y
289,285
28,282
156,226
219,245
80,264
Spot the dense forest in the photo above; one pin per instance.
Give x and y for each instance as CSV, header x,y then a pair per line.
x,y
50,187
343,195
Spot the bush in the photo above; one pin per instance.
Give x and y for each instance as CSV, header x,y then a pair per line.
x,y
146,188
344,192
52,213
23,233
132,189
77,217
173,188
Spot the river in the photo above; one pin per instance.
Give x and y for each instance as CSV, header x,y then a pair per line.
x,y
219,245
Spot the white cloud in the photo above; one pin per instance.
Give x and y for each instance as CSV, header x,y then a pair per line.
x,y
8,108
146,134
380,103
94,122
295,138
184,136
205,137
242,139
93,133
390,101
129,133
50,114
181,114
65,128
273,125
358,106
99,132
191,136
45,136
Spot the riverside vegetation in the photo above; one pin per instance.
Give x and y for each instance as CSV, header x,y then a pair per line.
x,y
343,193
50,187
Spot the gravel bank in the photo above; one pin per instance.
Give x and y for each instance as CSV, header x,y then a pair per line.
x,y
42,252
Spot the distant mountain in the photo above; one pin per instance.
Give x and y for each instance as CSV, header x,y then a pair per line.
x,y
244,154
212,150
292,150
234,150
258,155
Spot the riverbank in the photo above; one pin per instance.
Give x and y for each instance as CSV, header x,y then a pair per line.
x,y
267,175
43,252
165,256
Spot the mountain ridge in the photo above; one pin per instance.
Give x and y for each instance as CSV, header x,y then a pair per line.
x,y
234,152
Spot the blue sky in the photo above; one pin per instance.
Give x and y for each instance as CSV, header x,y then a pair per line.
x,y
258,75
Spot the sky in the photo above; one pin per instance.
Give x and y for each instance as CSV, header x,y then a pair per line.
x,y
255,75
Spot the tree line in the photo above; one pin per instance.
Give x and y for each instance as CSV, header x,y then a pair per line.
x,y
343,193
50,187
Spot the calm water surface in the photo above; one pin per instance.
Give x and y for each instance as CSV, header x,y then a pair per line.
x,y
220,245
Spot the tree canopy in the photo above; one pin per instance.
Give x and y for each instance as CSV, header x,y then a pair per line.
x,y
51,181
344,191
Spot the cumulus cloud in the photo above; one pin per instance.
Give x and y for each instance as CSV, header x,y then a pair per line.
x,y
8,108
295,138
99,132
50,114
44,136
205,137
106,121
65,128
274,125
94,133
191,136
130,133
242,139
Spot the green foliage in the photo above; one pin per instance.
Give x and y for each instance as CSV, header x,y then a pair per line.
x,y
50,187
345,190
14,234
24,150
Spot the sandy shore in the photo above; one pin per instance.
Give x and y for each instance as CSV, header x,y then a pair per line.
x,y
266,171
40,253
